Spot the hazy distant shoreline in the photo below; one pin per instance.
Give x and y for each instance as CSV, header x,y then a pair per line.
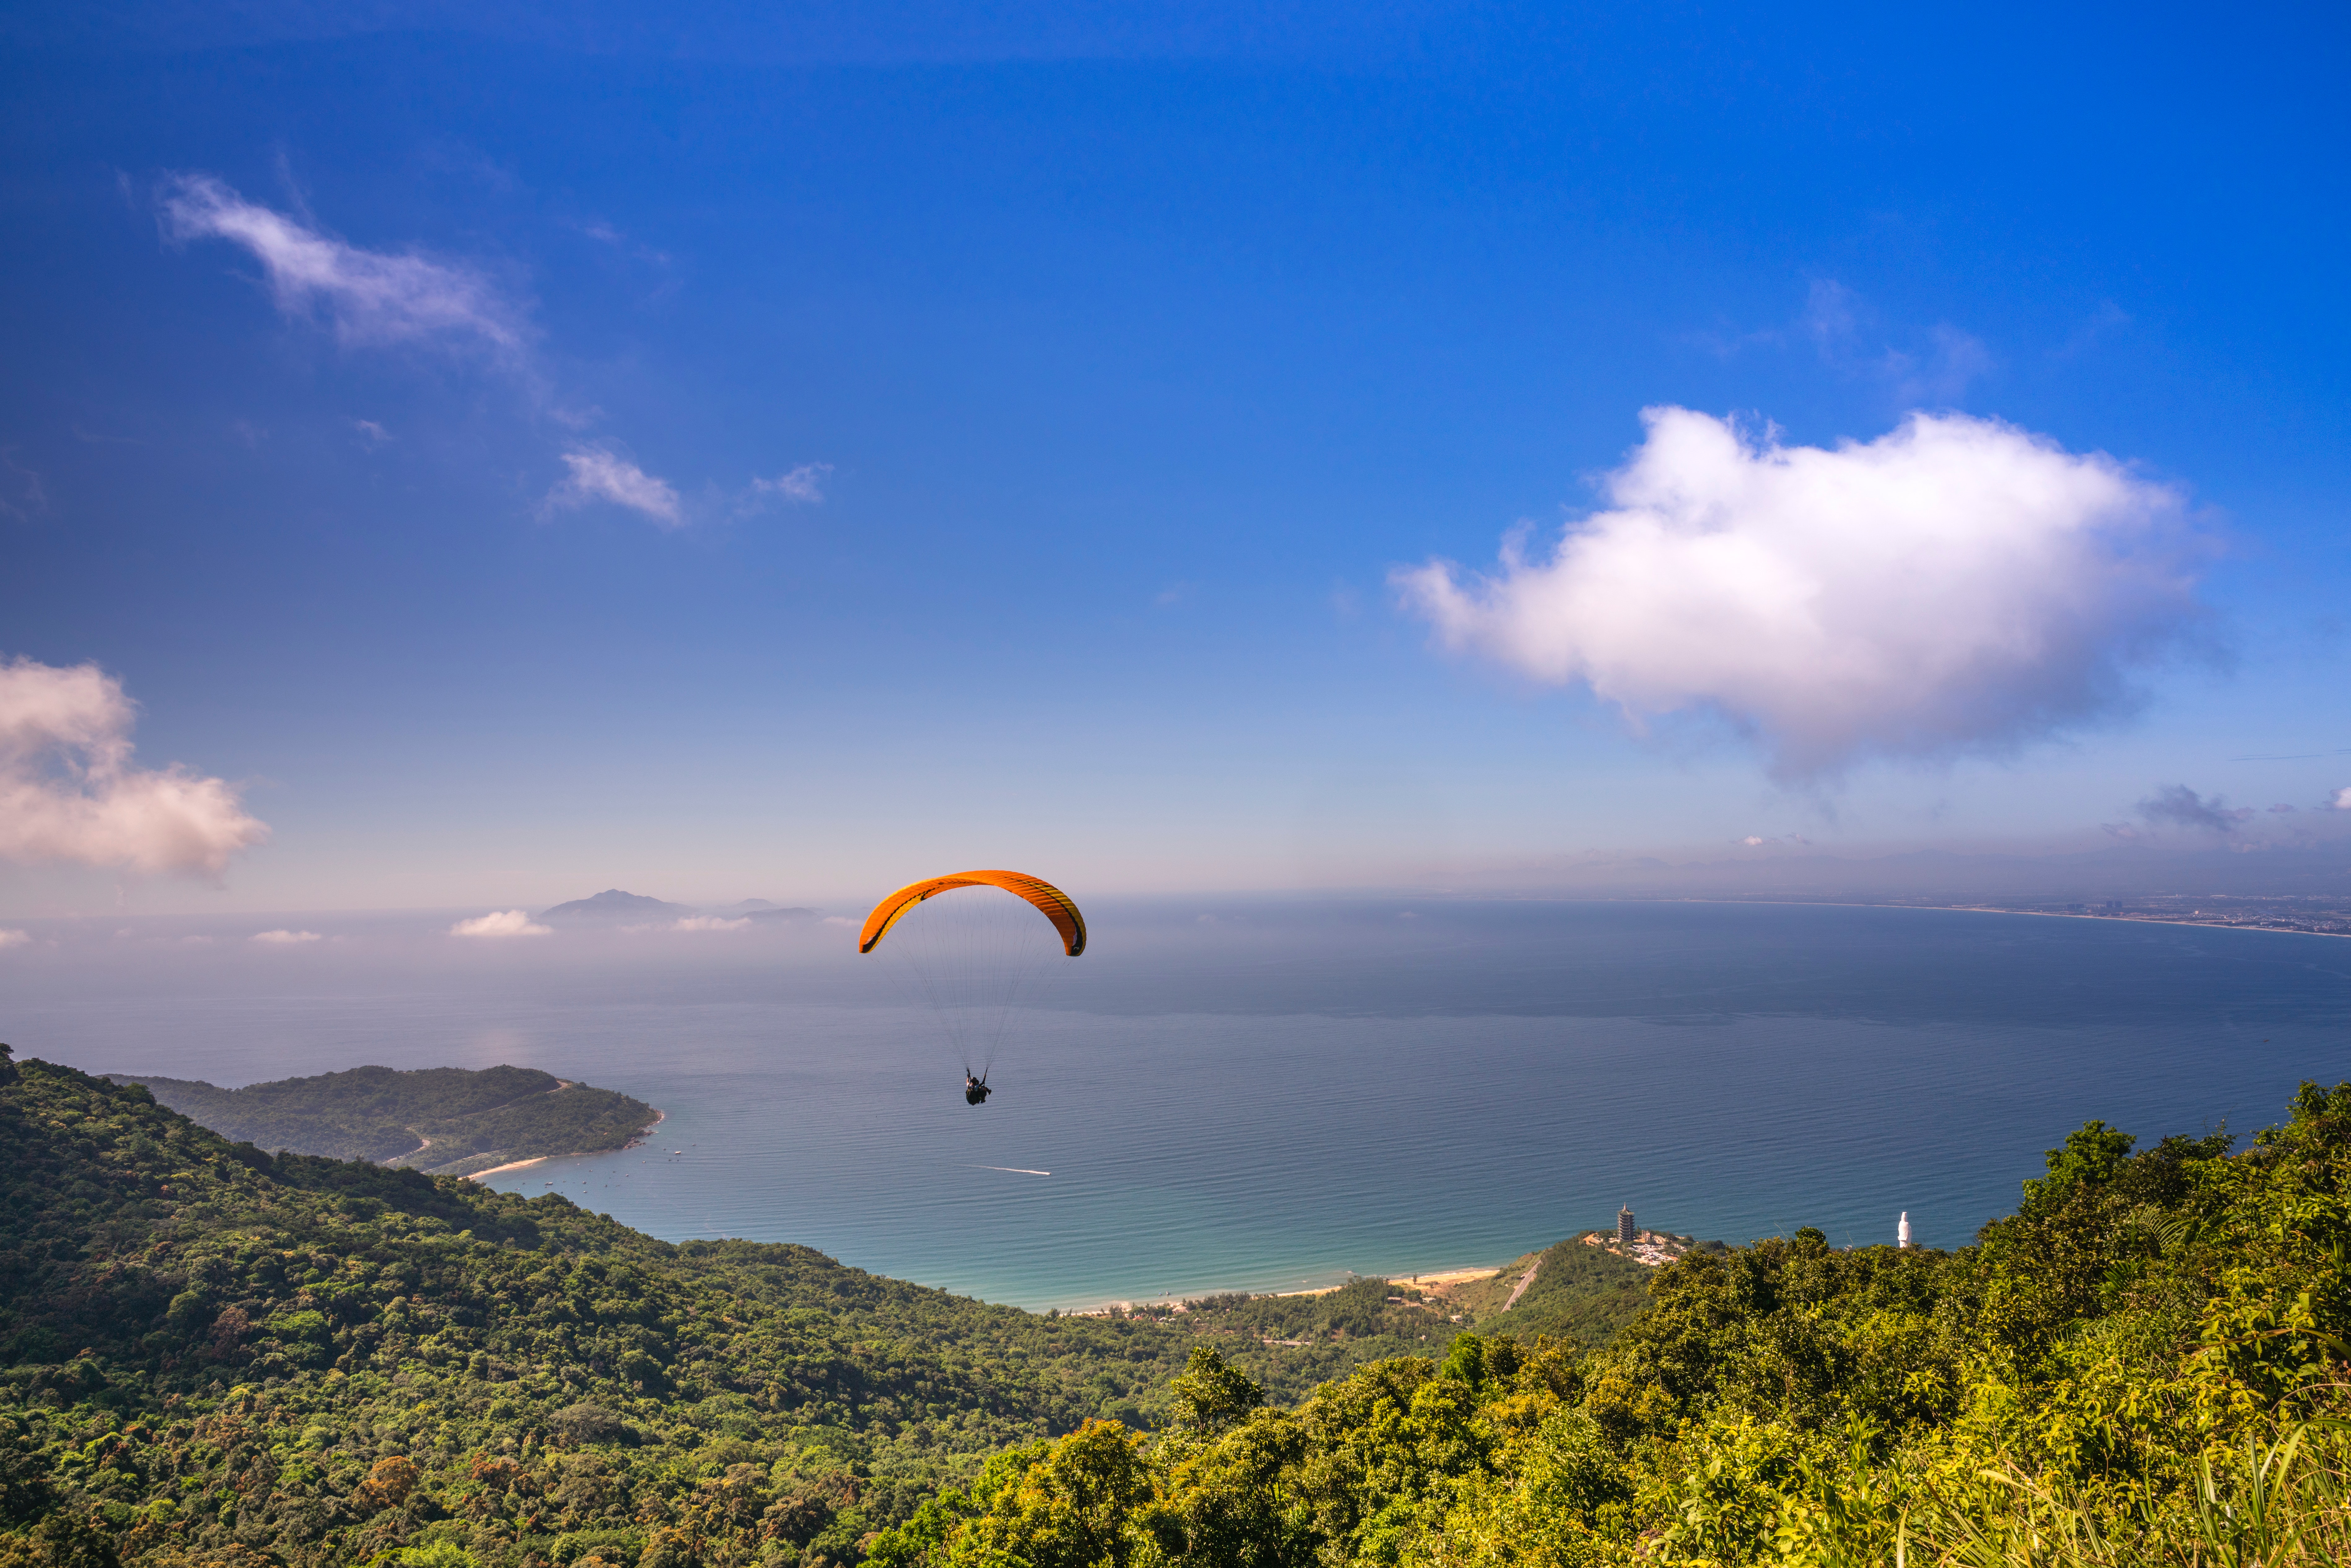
x,y
2127,917
2214,925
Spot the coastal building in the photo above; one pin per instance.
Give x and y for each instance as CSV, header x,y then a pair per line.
x,y
1624,1232
1902,1230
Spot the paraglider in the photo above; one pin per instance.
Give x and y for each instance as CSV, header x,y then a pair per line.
x,y
977,956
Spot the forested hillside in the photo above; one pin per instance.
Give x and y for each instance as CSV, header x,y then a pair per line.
x,y
207,1350
439,1119
2146,1364
1579,1294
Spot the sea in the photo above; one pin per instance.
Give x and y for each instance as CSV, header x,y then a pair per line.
x,y
1264,1093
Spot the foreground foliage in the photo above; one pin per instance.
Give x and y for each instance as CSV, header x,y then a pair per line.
x,y
2142,1366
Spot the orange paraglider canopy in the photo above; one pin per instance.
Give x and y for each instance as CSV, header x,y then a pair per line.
x,y
1051,902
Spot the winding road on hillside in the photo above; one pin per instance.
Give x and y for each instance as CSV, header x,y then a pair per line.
x,y
1524,1281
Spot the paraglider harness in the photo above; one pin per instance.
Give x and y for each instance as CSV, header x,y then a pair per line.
x,y
974,1090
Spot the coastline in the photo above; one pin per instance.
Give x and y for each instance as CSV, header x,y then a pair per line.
x,y
1437,1279
660,1116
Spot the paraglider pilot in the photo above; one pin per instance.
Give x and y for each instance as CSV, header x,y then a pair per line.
x,y
974,1090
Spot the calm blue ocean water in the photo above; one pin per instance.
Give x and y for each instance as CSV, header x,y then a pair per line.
x,y
1265,1095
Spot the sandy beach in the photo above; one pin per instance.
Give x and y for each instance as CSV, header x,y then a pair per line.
x,y
1438,1282
1442,1280
659,1117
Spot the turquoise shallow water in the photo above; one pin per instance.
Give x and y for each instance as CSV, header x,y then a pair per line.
x,y
1266,1094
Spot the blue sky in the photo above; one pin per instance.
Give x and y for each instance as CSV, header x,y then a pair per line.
x,y
1028,415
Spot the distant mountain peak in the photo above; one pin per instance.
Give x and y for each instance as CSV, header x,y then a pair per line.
x,y
614,904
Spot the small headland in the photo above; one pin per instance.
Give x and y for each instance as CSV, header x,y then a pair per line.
x,y
444,1120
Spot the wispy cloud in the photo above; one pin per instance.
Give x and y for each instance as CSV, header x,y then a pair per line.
x,y
22,494
710,923
2341,800
800,487
2178,805
1937,367
370,298
1941,372
283,938
1957,585
1934,365
599,474
803,485
606,234
70,790
14,938
501,923
2108,319
380,298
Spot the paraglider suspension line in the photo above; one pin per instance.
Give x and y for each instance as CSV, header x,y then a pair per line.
x,y
976,953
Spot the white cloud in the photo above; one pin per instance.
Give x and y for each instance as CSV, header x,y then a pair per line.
x,y
845,920
15,938
1956,585
501,923
709,923
2341,800
70,790
372,297
374,434
598,473
282,938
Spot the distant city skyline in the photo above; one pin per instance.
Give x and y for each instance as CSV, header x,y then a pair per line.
x,y
484,461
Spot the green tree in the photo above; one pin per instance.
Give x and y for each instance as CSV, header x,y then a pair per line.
x,y
1084,1505
1211,1398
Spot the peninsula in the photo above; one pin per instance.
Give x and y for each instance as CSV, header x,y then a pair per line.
x,y
446,1121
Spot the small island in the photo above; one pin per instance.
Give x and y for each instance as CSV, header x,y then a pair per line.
x,y
445,1121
